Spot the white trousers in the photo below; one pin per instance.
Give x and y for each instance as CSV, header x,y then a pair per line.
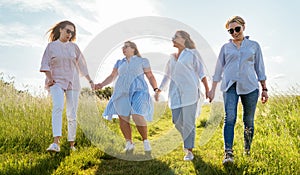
x,y
72,97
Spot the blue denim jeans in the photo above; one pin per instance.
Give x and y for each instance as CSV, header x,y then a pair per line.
x,y
249,102
184,119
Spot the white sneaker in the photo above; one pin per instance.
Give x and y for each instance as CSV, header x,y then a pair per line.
x,y
188,156
72,148
228,160
147,146
53,148
129,147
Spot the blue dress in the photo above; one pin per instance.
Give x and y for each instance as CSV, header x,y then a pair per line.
x,y
131,93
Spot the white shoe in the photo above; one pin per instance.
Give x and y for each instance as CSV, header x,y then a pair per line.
x,y
147,146
72,148
228,160
188,156
53,148
129,147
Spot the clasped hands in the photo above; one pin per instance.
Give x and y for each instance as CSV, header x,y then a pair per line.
x,y
98,86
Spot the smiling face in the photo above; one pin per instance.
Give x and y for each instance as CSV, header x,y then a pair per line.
x,y
236,30
178,40
128,51
66,33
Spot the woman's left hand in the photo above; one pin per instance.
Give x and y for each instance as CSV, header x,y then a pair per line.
x,y
264,96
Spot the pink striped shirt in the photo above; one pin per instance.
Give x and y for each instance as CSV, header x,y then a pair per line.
x,y
65,62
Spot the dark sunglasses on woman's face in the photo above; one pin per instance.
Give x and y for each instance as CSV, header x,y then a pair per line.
x,y
69,31
125,47
236,29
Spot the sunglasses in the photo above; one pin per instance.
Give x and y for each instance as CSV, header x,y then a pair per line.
x,y
174,37
236,29
125,47
70,31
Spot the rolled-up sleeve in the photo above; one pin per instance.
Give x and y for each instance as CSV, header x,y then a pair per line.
x,y
259,64
198,66
45,64
82,66
166,79
219,66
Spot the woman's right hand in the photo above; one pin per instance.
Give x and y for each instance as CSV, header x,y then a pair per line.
x,y
211,95
98,86
50,82
156,95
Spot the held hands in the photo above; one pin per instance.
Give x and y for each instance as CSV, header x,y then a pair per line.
x,y
156,95
92,84
98,86
210,95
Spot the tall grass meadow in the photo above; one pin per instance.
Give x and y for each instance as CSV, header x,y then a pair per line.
x,y
25,133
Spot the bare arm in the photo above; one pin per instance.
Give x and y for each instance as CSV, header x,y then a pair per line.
x,y
151,79
264,93
205,83
108,79
211,93
51,81
90,81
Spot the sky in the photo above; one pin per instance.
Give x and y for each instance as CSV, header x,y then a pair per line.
x,y
24,23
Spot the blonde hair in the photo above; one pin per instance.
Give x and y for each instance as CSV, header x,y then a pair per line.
x,y
236,19
133,45
189,43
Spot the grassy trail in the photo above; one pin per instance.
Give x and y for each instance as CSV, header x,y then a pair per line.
x,y
25,133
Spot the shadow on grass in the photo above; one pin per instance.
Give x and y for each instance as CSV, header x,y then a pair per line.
x,y
44,163
202,167
238,169
49,164
110,165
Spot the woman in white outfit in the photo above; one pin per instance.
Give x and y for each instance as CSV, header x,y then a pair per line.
x,y
184,71
62,63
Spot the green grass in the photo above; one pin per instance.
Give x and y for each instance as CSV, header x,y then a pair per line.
x,y
25,133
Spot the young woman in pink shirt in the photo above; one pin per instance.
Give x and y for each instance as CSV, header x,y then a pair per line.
x,y
62,63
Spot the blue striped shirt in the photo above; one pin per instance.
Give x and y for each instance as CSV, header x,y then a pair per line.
x,y
243,66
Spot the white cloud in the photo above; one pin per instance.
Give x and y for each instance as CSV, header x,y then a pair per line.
x,y
275,59
29,5
17,34
106,13
265,48
278,77
91,16
24,27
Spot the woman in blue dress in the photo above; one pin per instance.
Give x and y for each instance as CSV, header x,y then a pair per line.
x,y
131,95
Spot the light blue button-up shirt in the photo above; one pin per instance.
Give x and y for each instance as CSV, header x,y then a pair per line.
x,y
183,77
243,66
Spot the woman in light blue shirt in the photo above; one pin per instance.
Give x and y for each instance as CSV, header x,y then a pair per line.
x,y
240,66
131,95
183,74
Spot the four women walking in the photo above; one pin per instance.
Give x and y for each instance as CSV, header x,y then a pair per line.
x,y
240,67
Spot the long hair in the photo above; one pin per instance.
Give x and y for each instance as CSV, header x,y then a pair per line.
x,y
189,43
55,33
133,45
